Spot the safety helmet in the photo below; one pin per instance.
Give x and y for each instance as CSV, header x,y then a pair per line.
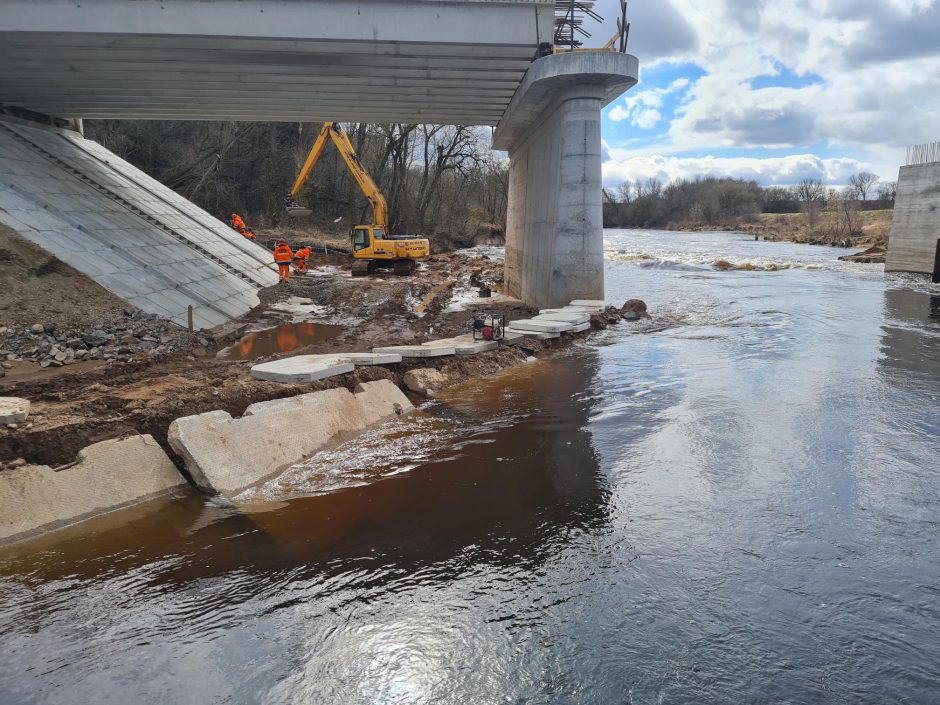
x,y
282,242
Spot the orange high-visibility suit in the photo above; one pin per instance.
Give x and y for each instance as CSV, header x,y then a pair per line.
x,y
300,259
250,235
283,256
238,223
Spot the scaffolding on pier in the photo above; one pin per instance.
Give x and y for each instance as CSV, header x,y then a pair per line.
x,y
571,32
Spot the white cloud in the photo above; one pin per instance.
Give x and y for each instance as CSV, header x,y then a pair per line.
x,y
642,108
878,63
782,171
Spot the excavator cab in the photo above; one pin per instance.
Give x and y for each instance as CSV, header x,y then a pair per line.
x,y
373,249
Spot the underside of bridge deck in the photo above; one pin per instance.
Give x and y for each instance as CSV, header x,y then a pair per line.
x,y
277,60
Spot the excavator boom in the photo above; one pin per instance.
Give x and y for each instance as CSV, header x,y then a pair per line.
x,y
372,246
333,131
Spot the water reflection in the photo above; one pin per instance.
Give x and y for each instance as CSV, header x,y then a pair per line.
x,y
285,338
910,341
190,572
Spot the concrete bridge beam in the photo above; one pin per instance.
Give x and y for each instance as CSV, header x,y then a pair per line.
x,y
552,131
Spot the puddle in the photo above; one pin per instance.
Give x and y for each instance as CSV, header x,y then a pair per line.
x,y
285,338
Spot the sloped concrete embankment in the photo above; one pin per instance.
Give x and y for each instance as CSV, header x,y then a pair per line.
x,y
107,476
227,455
223,455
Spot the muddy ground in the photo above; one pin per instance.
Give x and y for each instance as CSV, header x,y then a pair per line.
x,y
86,402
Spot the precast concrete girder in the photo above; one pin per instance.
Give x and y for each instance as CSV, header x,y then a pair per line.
x,y
449,61
554,229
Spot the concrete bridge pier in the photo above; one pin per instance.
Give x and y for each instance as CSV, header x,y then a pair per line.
x,y
552,131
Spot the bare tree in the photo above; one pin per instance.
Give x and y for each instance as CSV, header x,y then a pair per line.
x,y
887,190
810,190
862,184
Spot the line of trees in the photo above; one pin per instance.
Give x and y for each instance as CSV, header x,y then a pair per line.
x,y
439,180
721,201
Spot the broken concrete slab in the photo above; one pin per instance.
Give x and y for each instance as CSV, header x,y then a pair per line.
x,y
225,455
580,328
543,326
13,410
417,350
108,475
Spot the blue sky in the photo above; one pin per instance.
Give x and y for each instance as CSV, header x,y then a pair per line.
x,y
774,90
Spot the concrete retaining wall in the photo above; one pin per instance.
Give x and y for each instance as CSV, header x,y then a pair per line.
x,y
915,229
227,456
108,476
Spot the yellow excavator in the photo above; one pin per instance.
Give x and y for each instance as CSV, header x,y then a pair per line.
x,y
373,248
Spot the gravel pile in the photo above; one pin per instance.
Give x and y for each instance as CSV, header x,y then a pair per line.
x,y
135,336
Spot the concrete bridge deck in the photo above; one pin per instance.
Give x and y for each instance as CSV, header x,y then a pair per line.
x,y
377,61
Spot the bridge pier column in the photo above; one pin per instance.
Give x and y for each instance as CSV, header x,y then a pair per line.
x,y
554,229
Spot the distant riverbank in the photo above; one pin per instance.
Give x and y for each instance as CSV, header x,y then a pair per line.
x,y
871,228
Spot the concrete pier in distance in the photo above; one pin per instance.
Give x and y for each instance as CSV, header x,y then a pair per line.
x,y
914,245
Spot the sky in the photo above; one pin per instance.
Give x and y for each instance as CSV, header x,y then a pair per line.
x,y
773,90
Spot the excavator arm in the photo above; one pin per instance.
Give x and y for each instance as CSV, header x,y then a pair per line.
x,y
332,130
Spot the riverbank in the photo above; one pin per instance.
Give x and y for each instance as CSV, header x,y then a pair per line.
x,y
141,380
825,227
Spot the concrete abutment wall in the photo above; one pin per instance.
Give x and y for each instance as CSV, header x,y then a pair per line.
x,y
554,230
915,228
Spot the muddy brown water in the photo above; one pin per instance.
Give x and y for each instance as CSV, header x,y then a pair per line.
x,y
740,507
281,339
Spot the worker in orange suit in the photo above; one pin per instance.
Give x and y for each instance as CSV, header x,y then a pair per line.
x,y
238,223
300,260
282,257
249,234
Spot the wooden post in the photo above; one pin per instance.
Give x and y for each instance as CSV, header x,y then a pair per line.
x,y
189,317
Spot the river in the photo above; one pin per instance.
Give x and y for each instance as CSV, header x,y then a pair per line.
x,y
737,503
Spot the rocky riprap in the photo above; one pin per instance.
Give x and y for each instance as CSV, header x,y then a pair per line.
x,y
136,335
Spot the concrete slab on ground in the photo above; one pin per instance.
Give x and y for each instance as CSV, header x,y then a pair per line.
x,y
535,335
543,326
364,359
417,350
227,456
573,317
580,328
108,475
590,303
464,345
13,410
512,337
302,368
